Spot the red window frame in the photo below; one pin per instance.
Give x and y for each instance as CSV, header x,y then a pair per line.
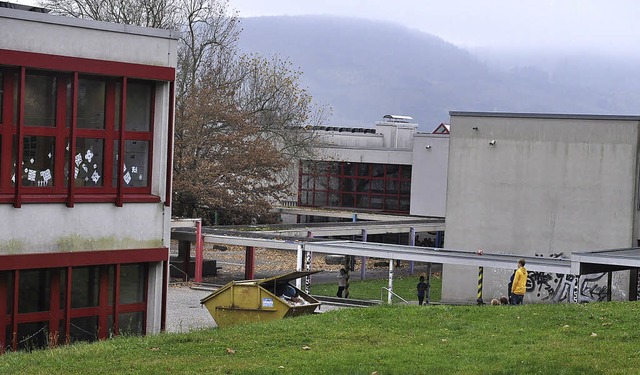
x,y
17,64
317,172
61,313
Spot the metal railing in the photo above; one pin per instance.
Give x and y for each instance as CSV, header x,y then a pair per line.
x,y
382,289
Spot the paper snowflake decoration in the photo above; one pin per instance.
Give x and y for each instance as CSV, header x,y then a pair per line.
x,y
46,175
95,177
78,159
31,175
134,169
88,155
85,168
127,178
75,173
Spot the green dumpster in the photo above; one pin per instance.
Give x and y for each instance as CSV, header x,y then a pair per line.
x,y
250,301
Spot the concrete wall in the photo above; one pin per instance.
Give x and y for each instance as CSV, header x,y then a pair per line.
x,y
346,139
429,175
549,185
57,35
397,135
87,226
364,155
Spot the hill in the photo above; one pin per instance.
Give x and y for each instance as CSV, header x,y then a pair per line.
x,y
366,69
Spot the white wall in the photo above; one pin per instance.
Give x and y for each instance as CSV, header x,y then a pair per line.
x,y
429,174
57,35
347,139
365,155
550,185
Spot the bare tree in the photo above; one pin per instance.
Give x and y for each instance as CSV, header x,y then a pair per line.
x,y
240,120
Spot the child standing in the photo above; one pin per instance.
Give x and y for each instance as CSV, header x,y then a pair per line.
x,y
342,282
422,289
519,286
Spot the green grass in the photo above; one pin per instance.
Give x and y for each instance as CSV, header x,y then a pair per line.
x,y
370,289
597,338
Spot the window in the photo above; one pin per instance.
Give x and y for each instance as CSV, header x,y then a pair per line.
x,y
355,185
41,318
65,158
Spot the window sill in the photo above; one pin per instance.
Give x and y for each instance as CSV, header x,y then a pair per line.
x,y
81,198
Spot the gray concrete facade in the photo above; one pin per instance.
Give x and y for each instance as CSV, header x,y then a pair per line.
x,y
539,186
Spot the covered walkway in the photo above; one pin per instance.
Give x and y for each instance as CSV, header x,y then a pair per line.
x,y
306,239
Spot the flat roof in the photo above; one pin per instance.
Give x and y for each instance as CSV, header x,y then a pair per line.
x,y
585,262
26,15
547,115
437,255
290,236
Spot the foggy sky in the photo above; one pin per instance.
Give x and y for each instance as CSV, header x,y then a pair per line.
x,y
597,26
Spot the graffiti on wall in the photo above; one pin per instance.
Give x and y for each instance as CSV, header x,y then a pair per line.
x,y
556,287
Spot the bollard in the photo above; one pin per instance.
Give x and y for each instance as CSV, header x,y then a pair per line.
x,y
480,277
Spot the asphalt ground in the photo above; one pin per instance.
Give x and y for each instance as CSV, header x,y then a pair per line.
x,y
184,312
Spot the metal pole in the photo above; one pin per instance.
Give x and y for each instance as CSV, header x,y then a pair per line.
x,y
308,258
609,279
184,252
412,242
299,265
390,291
249,262
428,283
199,252
307,279
363,267
347,267
575,286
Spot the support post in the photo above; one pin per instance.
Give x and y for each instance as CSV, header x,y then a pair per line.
x,y
184,252
308,257
249,263
199,252
412,242
575,285
428,294
299,260
307,267
439,236
609,279
390,291
480,279
347,267
363,260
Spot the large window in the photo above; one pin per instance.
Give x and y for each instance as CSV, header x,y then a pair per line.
x,y
61,139
65,304
381,187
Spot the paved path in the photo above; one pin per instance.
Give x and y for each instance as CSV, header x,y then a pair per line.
x,y
184,312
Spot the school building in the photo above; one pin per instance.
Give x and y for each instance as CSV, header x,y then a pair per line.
x,y
86,128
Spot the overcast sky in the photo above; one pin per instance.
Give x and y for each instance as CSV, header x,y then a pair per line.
x,y
609,27
605,26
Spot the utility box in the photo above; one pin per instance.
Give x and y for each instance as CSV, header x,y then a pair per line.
x,y
251,301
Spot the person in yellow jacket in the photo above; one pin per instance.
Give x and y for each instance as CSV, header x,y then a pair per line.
x,y
519,286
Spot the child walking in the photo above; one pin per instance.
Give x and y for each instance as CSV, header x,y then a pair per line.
x,y
422,289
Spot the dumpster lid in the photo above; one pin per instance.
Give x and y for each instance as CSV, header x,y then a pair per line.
x,y
287,277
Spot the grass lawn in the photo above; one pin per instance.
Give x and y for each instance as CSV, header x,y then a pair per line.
x,y
370,289
596,338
